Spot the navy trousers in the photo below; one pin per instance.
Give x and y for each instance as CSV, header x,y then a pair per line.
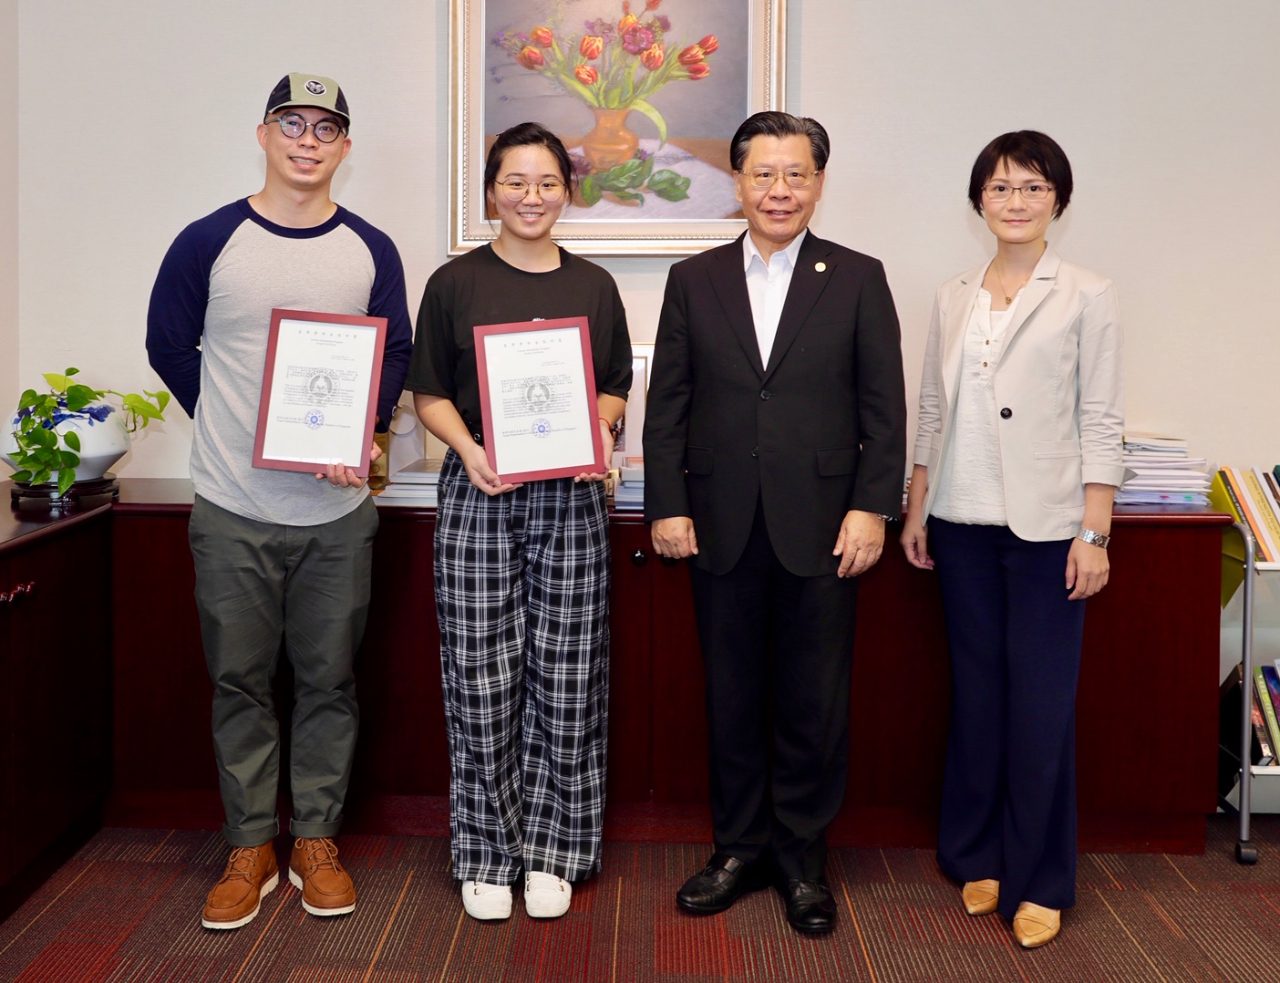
x,y
1009,792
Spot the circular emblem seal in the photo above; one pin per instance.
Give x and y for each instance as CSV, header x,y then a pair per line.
x,y
316,87
320,387
314,419
541,427
537,395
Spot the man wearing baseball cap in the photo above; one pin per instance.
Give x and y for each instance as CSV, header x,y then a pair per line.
x,y
282,558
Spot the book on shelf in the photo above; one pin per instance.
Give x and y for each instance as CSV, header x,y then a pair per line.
x,y
1260,503
1261,737
1261,752
1241,494
1264,702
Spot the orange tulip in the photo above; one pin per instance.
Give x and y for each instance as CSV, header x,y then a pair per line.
x,y
627,22
692,55
653,56
709,44
699,71
530,57
591,46
543,36
652,4
586,74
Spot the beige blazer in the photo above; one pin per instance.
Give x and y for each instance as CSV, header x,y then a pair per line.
x,y
1058,386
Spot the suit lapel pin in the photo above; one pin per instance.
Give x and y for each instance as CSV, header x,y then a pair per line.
x,y
820,267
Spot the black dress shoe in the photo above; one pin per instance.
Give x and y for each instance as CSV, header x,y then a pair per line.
x,y
810,906
722,882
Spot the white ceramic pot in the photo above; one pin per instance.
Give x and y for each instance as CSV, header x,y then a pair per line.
x,y
103,439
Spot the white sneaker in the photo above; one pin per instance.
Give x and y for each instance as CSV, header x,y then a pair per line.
x,y
486,902
546,895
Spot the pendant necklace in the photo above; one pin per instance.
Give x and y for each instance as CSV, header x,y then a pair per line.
x,y
1005,290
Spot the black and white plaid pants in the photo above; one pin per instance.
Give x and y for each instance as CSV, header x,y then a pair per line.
x,y
522,595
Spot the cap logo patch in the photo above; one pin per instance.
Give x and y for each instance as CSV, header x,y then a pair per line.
x,y
316,87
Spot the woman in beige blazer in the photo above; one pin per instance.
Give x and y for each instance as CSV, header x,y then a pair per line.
x,y
1017,458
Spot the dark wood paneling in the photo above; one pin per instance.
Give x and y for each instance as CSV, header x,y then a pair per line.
x,y
679,709
59,674
7,696
1147,719
1147,706
402,748
901,686
630,773
162,692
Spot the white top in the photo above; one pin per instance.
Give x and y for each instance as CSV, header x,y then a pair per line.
x,y
971,485
767,285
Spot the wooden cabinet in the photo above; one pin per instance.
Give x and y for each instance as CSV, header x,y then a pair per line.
x,y
1151,656
6,722
55,656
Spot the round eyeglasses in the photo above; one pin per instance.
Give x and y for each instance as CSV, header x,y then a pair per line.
x,y
326,131
998,191
515,189
765,177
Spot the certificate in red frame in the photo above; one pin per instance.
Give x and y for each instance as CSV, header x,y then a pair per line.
x,y
538,399
319,391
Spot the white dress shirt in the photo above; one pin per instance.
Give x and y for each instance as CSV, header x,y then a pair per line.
x,y
971,486
767,285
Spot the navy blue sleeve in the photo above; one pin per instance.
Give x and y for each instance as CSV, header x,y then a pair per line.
x,y
388,299
175,316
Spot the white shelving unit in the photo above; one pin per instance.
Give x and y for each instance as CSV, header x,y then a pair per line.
x,y
1246,853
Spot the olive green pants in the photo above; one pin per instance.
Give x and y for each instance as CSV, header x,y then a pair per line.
x,y
263,589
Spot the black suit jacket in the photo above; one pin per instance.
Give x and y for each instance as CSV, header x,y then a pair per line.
x,y
818,431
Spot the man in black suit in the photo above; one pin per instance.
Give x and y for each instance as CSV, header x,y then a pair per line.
x,y
775,449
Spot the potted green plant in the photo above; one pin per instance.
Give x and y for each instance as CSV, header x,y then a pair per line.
x,y
74,432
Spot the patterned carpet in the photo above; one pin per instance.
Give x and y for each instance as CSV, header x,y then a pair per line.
x,y
126,908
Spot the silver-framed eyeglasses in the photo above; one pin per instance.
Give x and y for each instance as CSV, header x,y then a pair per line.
x,y
999,191
293,126
516,189
766,177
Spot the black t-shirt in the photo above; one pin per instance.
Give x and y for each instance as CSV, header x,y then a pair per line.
x,y
479,288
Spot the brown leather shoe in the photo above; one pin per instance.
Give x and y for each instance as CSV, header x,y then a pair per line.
x,y
981,897
1034,925
315,871
234,901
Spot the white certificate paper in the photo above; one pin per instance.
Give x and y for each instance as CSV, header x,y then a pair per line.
x,y
319,391
538,399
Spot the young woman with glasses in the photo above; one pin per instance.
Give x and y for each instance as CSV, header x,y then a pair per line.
x,y
521,570
1017,459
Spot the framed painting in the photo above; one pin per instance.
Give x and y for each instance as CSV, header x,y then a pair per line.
x,y
645,95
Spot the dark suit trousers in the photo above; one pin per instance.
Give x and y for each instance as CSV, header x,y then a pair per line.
x,y
1009,791
777,650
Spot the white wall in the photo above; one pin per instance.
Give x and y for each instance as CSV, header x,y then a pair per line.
x,y
136,119
9,388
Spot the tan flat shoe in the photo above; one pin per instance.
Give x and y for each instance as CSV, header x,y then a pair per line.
x,y
1035,925
980,897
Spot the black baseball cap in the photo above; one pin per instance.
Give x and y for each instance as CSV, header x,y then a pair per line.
x,y
301,89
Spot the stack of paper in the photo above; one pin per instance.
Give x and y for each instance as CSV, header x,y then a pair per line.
x,y
1165,473
628,493
412,486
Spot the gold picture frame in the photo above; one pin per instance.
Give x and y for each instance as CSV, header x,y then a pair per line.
x,y
691,78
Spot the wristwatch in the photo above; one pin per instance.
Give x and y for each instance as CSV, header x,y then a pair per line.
x,y
1093,538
